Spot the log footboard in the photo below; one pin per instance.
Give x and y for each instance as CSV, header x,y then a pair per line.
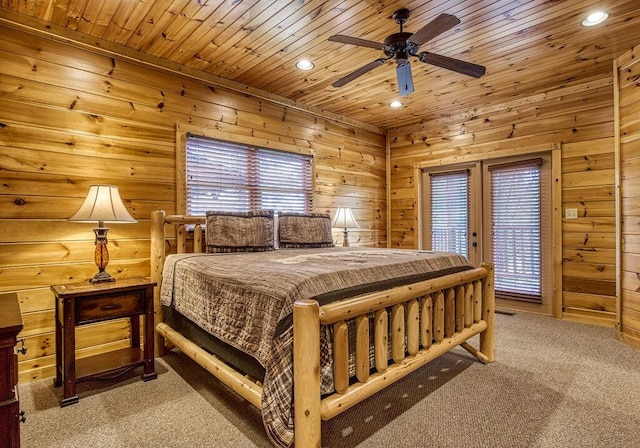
x,y
422,321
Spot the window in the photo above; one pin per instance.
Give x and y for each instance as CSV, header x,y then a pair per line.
x,y
449,211
516,227
227,176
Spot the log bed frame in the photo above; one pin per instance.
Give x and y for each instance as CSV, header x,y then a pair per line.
x,y
428,319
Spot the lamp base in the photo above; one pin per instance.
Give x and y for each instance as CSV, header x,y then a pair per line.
x,y
345,239
101,255
102,277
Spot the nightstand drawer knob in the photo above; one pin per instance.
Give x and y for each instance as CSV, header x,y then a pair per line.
x,y
21,417
111,307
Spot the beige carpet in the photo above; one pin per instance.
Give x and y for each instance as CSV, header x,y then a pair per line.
x,y
554,384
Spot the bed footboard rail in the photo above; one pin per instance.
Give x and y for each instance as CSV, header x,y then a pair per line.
x,y
421,322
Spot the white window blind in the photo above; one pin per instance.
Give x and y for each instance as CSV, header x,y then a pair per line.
x,y
227,176
516,229
450,211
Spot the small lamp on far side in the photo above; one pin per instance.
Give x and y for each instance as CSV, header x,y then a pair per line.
x,y
344,220
102,204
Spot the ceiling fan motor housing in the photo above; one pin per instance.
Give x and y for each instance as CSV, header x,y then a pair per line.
x,y
398,46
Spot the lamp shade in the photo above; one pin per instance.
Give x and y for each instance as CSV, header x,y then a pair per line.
x,y
102,204
344,219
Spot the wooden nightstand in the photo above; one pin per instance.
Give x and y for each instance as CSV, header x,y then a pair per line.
x,y
84,303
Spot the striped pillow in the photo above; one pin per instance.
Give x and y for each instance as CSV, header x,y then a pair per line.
x,y
298,230
239,231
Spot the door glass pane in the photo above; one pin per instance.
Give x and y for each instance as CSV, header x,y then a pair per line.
x,y
450,212
516,229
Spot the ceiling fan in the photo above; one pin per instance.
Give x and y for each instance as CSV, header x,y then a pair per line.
x,y
400,46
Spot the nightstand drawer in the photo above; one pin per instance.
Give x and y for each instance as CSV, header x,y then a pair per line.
x,y
109,307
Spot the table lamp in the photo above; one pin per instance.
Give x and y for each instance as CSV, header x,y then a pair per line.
x,y
102,204
344,220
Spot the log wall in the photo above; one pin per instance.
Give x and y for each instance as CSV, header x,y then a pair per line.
x,y
628,127
578,120
70,117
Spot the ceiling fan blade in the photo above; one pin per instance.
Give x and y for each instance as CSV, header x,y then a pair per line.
x,y
361,71
355,41
405,80
456,65
437,26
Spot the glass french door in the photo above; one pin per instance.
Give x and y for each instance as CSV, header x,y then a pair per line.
x,y
517,225
450,220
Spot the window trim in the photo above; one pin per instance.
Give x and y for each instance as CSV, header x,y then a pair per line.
x,y
181,154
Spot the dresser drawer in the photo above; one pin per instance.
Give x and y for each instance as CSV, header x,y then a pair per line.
x,y
109,307
10,424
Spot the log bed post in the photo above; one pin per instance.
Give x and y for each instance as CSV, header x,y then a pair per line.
x,y
157,262
306,373
488,313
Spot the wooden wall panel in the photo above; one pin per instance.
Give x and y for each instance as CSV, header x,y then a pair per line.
x,y
589,166
70,118
580,119
628,124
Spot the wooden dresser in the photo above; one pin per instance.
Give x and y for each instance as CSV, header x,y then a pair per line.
x,y
10,414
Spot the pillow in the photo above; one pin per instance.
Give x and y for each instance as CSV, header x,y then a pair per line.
x,y
239,231
304,230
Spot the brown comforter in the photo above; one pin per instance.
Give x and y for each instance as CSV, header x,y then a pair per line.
x,y
246,300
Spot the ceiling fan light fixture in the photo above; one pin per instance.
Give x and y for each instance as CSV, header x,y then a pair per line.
x,y
595,18
305,64
396,104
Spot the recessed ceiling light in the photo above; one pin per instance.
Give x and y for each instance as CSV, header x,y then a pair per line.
x,y
305,64
395,104
595,18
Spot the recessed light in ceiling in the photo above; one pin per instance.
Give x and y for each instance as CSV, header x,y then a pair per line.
x,y
305,64
595,18
395,104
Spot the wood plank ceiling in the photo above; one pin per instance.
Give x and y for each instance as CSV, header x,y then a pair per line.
x,y
527,46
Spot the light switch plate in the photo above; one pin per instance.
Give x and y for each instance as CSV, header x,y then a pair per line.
x,y
571,213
